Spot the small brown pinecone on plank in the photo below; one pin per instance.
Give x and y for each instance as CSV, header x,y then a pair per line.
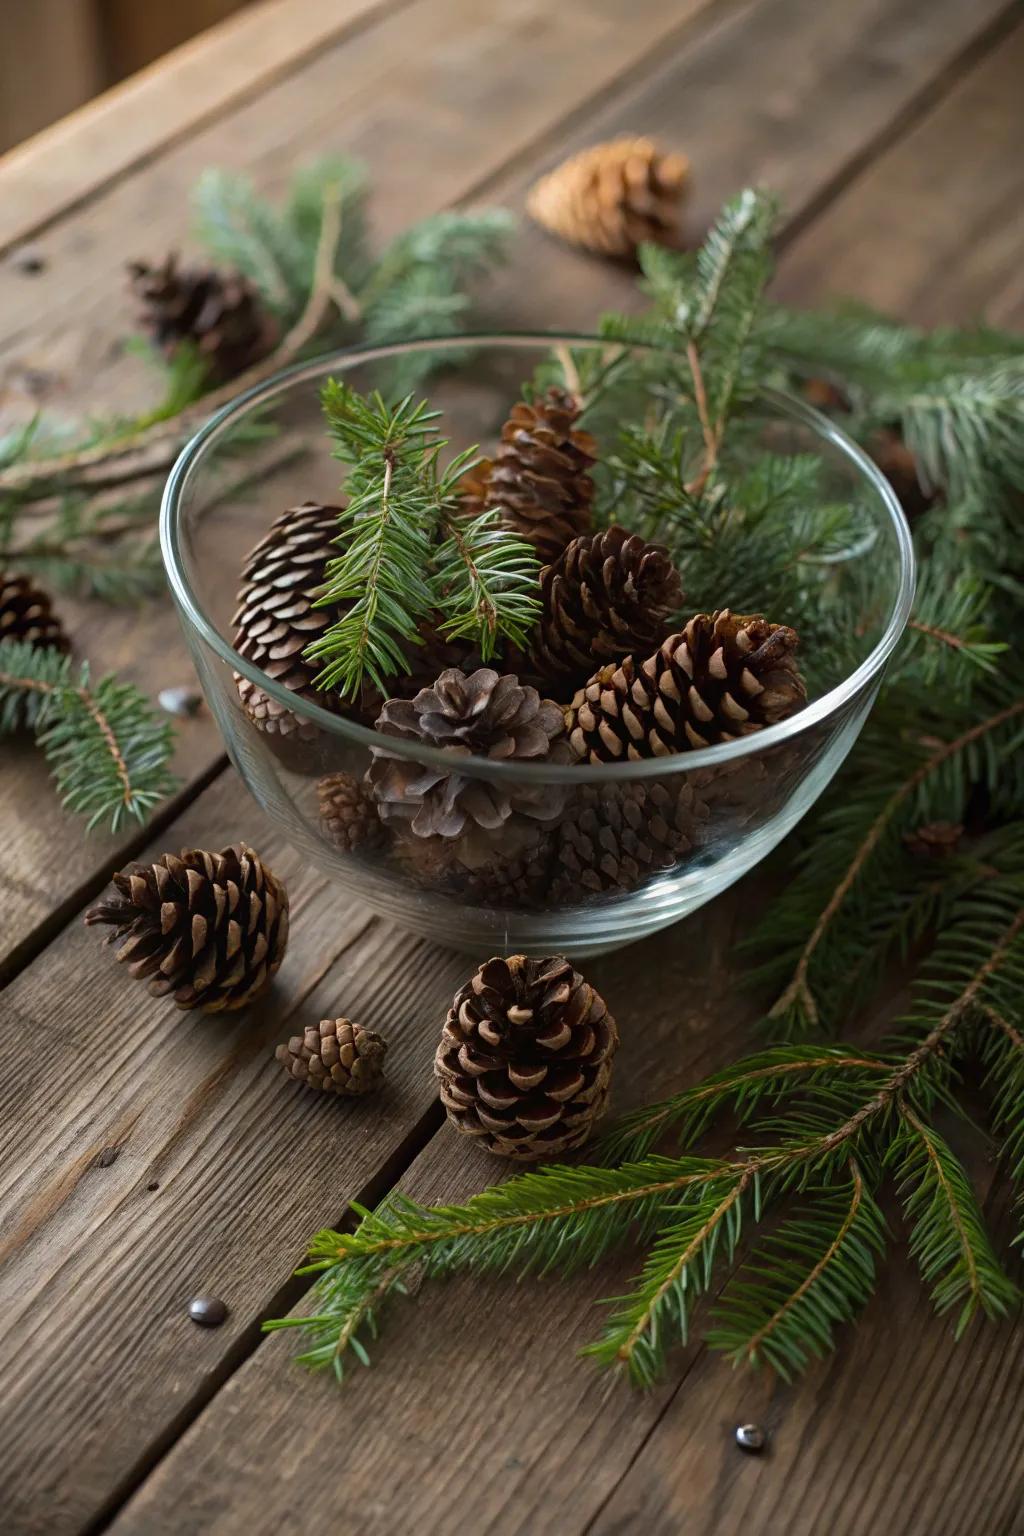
x,y
276,618
483,714
614,837
220,313
26,614
613,197
934,840
349,813
608,595
538,479
337,1056
208,929
525,1057
722,677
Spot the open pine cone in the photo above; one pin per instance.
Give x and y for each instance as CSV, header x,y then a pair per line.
x,y
26,614
608,595
482,714
613,197
210,929
722,677
525,1058
539,476
221,313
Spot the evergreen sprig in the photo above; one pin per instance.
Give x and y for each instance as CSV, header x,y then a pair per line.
x,y
107,750
407,552
829,1125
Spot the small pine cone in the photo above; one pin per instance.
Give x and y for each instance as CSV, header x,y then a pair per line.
x,y
220,313
615,837
484,714
510,868
900,467
210,929
349,813
337,1057
539,477
276,619
525,1057
722,677
934,840
26,614
608,595
613,197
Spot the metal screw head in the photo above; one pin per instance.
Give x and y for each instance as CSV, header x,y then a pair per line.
x,y
180,701
207,1311
751,1438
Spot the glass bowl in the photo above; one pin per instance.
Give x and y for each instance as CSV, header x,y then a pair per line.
x,y
518,885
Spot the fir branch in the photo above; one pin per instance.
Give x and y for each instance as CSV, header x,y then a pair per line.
x,y
107,750
486,580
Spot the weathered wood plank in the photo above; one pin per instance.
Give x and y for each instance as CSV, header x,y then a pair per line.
x,y
443,66
147,1156
71,160
900,1431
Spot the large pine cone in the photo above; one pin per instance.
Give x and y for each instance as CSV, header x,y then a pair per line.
x,y
539,477
482,714
210,929
613,197
276,618
26,614
338,1057
722,677
525,1057
614,837
221,313
608,595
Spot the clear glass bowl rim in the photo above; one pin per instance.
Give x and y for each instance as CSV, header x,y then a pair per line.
x,y
818,711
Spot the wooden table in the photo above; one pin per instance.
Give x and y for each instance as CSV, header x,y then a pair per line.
x,y
148,1156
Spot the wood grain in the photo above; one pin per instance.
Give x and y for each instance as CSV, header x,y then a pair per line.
x,y
70,161
899,1431
445,65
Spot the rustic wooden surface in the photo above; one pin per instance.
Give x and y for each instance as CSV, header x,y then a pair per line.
x,y
144,1157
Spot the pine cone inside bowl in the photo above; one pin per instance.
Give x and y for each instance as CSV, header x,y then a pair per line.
x,y
480,714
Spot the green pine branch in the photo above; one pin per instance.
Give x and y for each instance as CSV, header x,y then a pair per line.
x,y
107,750
407,553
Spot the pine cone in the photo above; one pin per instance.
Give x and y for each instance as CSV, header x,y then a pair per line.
x,y
539,478
26,614
615,837
209,928
608,595
349,813
510,868
221,313
283,577
525,1057
613,197
934,840
339,1057
482,714
900,467
722,677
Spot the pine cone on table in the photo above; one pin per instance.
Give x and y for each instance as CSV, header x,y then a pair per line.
x,y
525,1057
208,929
337,1057
349,813
220,313
724,676
482,714
613,197
607,596
26,614
614,837
539,476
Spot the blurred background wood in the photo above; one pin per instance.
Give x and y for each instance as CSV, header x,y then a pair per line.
x,y
58,54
